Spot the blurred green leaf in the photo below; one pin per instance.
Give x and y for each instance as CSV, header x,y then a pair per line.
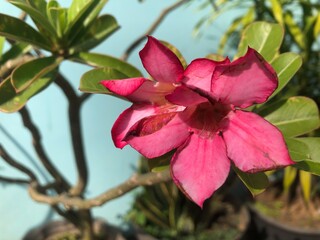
x,y
38,16
15,29
90,81
264,37
103,27
15,50
29,72
295,30
100,60
277,11
285,65
312,163
11,101
305,182
160,163
294,116
316,29
289,176
2,40
255,182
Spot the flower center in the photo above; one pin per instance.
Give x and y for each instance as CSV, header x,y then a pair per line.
x,y
207,117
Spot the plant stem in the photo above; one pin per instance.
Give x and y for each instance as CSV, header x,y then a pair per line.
x,y
75,104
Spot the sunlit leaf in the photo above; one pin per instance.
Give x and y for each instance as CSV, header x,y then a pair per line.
x,y
29,72
294,116
2,40
316,29
305,182
289,176
255,182
264,37
277,10
15,29
295,30
100,60
90,81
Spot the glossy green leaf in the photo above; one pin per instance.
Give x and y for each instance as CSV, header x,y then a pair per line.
x,y
58,18
11,101
100,60
39,17
264,37
14,51
312,163
103,27
90,81
285,65
15,29
255,182
294,116
176,52
29,72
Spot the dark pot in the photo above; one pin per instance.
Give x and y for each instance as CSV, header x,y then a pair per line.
x,y
267,228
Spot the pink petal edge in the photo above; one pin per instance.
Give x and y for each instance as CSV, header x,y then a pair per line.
x,y
200,167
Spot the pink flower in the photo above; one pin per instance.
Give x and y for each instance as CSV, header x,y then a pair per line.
x,y
198,112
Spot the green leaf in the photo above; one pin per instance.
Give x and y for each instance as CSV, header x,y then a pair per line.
x,y
277,11
29,72
285,65
103,27
298,150
312,163
294,116
305,182
15,29
15,51
289,176
160,163
11,101
39,17
2,40
90,81
176,52
255,182
100,60
58,18
264,37
316,29
295,30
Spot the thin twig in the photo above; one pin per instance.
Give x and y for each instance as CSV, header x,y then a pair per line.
x,y
14,180
79,203
76,134
36,139
12,162
152,28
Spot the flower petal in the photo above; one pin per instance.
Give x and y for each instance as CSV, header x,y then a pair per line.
x,y
199,73
127,119
160,62
253,144
246,81
185,97
200,167
164,138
